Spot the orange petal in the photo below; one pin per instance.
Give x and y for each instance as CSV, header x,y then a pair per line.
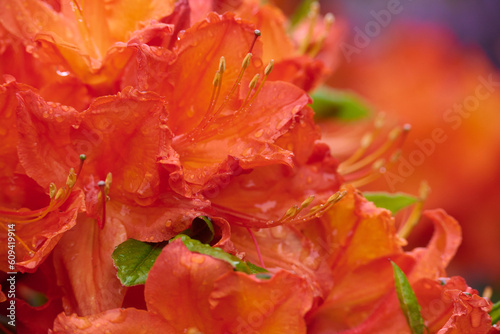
x,y
36,239
53,136
179,286
432,260
156,223
126,321
247,304
85,269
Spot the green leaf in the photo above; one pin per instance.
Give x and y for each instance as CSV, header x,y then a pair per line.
x,y
198,247
201,229
300,13
392,202
134,259
495,313
343,105
407,301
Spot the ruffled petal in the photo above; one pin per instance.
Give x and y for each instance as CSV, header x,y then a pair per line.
x,y
432,260
85,269
126,321
179,286
119,135
247,304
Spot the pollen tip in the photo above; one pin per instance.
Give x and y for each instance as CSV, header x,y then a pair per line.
x,y
222,64
101,183
253,83
257,32
269,67
71,180
407,127
329,19
217,80
246,61
83,157
52,190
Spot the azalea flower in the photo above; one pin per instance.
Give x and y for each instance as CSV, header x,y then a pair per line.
x,y
182,114
212,298
442,79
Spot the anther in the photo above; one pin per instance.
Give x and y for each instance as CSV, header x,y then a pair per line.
x,y
253,83
71,179
269,68
59,194
222,65
246,61
52,190
217,81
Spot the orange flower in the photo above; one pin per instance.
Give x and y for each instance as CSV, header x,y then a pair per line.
x,y
344,256
84,39
36,220
211,298
450,97
305,56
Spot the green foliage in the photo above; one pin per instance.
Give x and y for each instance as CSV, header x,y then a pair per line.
x,y
134,259
198,247
392,202
408,301
495,313
338,104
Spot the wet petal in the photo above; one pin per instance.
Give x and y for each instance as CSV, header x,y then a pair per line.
x,y
53,136
432,260
85,269
248,304
125,321
179,285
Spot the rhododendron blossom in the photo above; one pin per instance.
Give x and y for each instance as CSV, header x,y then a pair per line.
x,y
162,172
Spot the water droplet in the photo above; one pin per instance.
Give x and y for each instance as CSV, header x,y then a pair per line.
x,y
198,259
278,232
259,133
62,73
45,114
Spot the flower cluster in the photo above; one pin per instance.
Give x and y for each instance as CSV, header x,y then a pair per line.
x,y
164,173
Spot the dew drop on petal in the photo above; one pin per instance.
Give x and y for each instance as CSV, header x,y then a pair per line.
x,y
62,73
259,133
198,259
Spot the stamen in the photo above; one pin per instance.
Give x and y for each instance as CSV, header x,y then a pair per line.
x,y
251,86
52,190
57,198
291,215
257,248
393,135
487,292
267,71
366,141
82,157
102,186
313,16
378,168
415,214
256,35
329,20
